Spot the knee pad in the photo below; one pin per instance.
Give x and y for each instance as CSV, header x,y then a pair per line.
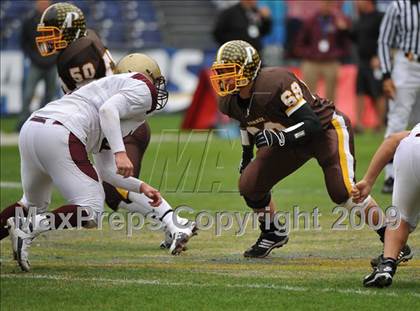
x,y
258,204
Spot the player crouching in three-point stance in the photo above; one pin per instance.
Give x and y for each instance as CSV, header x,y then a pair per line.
x,y
55,141
82,58
289,126
405,198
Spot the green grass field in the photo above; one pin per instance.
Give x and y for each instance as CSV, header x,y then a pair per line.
x,y
106,270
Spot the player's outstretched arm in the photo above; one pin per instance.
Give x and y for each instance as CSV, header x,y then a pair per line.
x,y
107,169
381,158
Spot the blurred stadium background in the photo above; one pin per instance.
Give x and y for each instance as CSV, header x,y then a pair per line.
x,y
178,34
104,270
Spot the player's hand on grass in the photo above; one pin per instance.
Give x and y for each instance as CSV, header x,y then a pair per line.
x,y
360,191
152,194
123,163
269,137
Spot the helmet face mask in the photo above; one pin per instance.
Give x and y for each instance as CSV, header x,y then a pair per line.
x,y
50,40
227,78
60,24
237,64
162,92
147,66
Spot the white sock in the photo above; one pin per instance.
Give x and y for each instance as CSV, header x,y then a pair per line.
x,y
140,204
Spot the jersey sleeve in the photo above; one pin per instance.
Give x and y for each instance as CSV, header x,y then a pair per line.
x,y
291,94
132,102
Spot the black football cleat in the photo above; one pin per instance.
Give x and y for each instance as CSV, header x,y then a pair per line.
x,y
388,186
265,244
405,255
382,274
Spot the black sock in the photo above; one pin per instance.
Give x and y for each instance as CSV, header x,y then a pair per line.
x,y
381,233
272,227
265,228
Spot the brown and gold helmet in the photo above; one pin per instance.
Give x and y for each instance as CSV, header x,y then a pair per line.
x,y
60,24
237,64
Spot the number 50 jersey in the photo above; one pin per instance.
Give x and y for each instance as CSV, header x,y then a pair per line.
x,y
84,60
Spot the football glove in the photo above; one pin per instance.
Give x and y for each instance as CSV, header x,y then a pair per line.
x,y
269,137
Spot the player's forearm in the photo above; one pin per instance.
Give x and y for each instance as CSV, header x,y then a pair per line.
x,y
294,135
105,166
302,131
307,125
130,183
383,156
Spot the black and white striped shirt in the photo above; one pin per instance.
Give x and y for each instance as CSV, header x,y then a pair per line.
x,y
400,28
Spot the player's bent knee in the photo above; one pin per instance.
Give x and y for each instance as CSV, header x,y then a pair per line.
x,y
340,196
258,203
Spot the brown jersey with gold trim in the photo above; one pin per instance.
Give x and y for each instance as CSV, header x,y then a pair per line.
x,y
84,60
276,95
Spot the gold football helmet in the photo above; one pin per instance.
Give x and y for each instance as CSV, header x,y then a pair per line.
x,y
60,24
147,66
237,64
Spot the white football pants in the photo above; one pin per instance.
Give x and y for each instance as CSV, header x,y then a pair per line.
x,y
406,195
51,155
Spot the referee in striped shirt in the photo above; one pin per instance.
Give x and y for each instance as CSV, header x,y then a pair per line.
x,y
400,31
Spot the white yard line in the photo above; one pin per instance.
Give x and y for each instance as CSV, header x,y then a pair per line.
x,y
10,185
362,292
8,139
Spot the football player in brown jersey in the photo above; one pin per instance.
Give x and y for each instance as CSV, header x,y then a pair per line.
x,y
289,125
82,58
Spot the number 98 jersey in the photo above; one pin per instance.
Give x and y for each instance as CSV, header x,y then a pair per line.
x,y
84,60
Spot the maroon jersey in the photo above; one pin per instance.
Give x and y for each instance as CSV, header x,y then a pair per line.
x,y
84,60
276,95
